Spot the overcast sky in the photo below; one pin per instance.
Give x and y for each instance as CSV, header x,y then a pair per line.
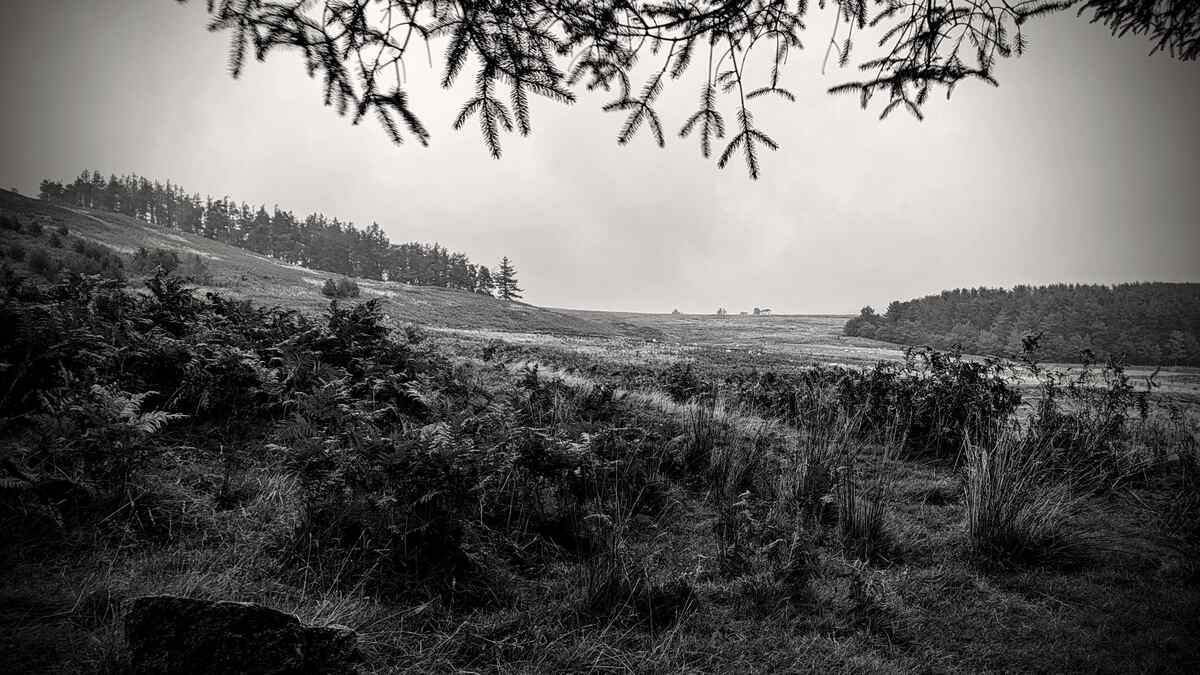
x,y
1083,166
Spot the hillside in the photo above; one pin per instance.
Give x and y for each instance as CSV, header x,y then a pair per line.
x,y
1143,323
241,273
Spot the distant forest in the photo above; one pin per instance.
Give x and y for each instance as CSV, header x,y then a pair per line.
x,y
1143,323
315,241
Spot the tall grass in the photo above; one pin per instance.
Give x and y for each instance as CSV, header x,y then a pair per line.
x,y
864,490
806,482
703,432
1018,512
862,507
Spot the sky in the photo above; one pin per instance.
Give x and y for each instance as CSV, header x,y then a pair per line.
x,y
1082,166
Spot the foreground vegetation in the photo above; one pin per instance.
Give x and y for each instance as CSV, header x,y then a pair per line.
x,y
478,505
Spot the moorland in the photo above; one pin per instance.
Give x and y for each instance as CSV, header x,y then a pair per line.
x,y
481,485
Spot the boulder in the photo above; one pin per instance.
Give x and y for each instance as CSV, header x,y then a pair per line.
x,y
184,636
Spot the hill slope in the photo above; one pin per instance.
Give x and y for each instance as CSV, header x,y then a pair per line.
x,y
241,273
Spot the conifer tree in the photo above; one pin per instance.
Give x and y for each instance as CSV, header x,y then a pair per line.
x,y
506,281
316,241
1142,323
484,284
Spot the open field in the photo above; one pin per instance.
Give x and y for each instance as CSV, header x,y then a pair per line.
x,y
812,337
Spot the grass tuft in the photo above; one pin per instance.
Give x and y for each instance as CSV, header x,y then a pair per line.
x,y
1017,512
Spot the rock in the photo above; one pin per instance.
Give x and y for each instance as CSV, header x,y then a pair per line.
x,y
183,636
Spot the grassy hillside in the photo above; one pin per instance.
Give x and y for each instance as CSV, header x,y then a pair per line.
x,y
241,273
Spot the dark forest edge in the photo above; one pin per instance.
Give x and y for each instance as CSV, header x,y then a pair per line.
x,y
315,241
1153,324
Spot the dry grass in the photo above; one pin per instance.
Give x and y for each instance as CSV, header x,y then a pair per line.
x,y
1017,511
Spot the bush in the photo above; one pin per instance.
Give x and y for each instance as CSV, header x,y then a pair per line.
x,y
938,399
43,264
32,228
9,222
682,383
1084,417
342,288
194,269
146,261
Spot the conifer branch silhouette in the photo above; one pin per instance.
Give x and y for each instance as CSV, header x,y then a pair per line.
x,y
711,123
359,48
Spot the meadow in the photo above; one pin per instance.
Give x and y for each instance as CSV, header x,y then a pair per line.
x,y
480,486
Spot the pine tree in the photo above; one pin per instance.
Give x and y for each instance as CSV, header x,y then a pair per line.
x,y
484,284
316,241
506,283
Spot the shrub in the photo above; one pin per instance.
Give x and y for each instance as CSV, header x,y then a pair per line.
x,y
1084,417
90,258
43,264
682,383
1017,512
342,288
146,261
9,222
937,398
194,269
32,228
